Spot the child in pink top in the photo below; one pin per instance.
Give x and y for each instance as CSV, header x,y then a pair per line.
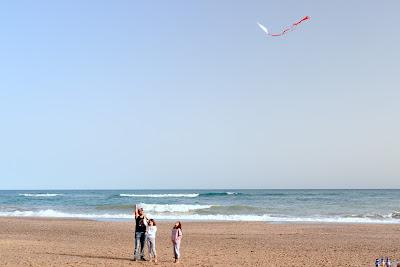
x,y
176,237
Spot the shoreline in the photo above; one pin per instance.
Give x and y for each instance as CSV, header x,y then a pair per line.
x,y
73,242
208,220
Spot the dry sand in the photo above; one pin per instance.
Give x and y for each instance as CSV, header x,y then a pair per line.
x,y
56,242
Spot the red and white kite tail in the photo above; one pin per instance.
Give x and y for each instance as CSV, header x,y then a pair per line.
x,y
300,21
286,30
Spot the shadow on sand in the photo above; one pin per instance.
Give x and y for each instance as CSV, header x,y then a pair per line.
x,y
90,256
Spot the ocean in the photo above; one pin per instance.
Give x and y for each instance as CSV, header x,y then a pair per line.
x,y
331,206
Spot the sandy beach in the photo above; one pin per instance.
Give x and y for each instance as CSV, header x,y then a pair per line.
x,y
63,242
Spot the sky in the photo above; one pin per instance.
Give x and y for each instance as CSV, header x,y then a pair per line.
x,y
192,94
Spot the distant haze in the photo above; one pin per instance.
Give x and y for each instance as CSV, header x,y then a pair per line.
x,y
192,94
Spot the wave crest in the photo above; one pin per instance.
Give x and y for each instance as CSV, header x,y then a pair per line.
x,y
198,217
172,208
160,195
395,215
210,194
40,195
157,208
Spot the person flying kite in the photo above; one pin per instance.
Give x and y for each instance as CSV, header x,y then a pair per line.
x,y
286,30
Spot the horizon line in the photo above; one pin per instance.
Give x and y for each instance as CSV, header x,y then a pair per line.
x,y
187,189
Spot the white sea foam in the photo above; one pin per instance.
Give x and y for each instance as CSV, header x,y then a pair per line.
x,y
159,195
197,217
172,208
40,195
268,218
59,214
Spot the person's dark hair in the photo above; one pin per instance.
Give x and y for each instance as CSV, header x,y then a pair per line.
x,y
154,222
179,226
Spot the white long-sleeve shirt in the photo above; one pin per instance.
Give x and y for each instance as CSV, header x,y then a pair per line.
x,y
151,231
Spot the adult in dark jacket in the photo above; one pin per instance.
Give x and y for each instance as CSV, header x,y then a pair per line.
x,y
140,233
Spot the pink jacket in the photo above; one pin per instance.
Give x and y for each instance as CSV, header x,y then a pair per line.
x,y
176,235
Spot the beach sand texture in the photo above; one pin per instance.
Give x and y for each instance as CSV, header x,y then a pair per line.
x,y
58,242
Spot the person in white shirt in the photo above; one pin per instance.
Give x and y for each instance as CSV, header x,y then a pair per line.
x,y
151,239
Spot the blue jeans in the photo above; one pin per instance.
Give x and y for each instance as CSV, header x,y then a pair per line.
x,y
140,240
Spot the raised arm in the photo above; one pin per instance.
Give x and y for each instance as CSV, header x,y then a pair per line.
x,y
136,212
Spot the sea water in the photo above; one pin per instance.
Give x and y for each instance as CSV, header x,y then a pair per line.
x,y
339,206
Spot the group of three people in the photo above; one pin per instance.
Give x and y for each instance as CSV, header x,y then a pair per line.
x,y
145,232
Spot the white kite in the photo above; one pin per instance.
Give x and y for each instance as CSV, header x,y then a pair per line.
x,y
263,28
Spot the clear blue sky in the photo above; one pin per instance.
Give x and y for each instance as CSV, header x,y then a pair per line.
x,y
192,94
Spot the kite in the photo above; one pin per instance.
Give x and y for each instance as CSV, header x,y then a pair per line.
x,y
286,30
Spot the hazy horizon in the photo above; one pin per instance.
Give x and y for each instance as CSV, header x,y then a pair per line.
x,y
194,95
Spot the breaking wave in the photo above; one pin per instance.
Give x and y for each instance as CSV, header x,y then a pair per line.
x,y
40,195
197,217
211,194
172,208
177,195
159,195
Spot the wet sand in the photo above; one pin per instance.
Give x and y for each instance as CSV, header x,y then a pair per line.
x,y
63,242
